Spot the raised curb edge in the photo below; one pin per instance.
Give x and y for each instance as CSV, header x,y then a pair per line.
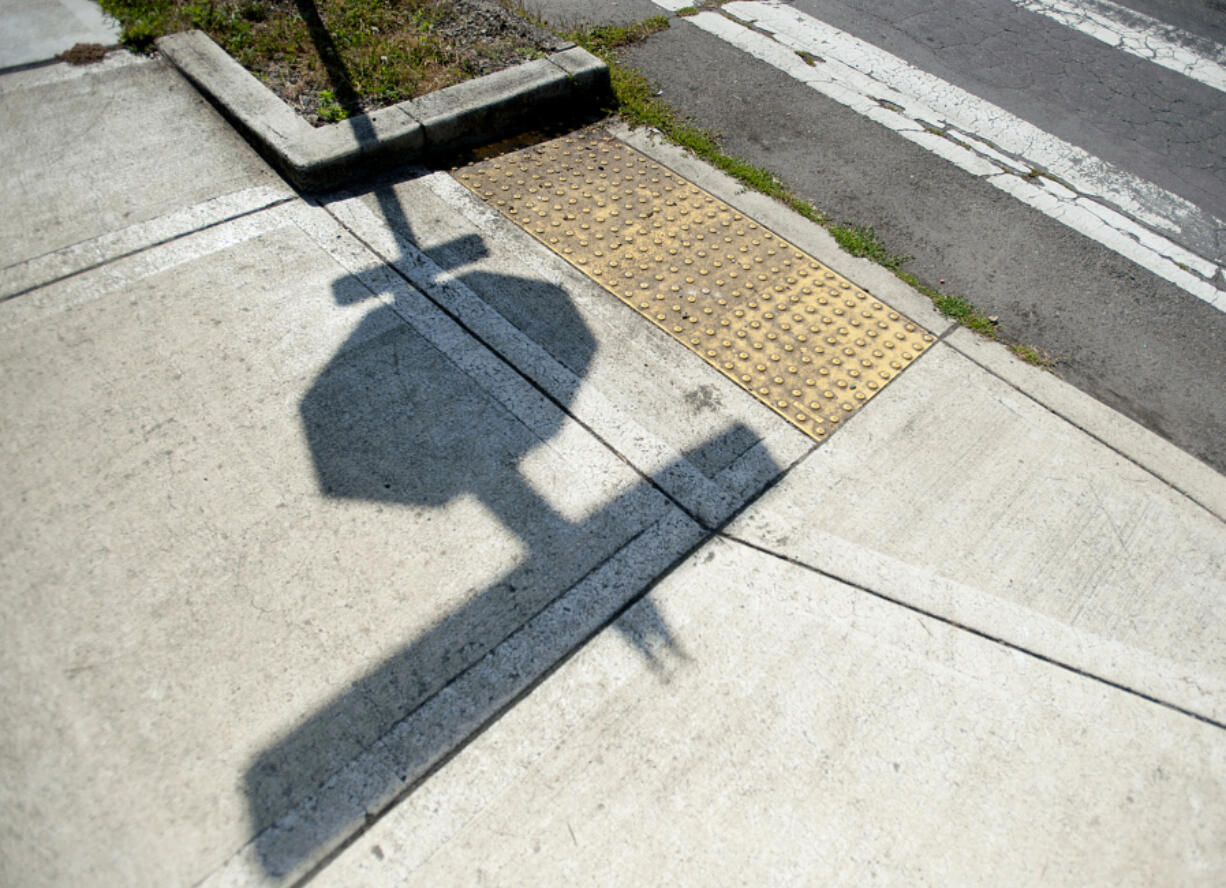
x,y
449,120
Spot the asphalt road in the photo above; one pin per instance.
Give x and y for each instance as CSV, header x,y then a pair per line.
x,y
1130,338
1152,121
1204,17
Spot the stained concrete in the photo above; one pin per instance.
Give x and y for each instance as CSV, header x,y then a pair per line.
x,y
38,30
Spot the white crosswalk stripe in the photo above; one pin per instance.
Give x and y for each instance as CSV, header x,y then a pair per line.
x,y
1158,230
1139,35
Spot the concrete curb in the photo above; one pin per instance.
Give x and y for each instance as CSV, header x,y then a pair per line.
x,y
448,120
1182,471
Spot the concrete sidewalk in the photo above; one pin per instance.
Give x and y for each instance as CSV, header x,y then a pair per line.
x,y
360,539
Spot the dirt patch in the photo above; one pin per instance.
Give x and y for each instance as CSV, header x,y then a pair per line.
x,y
83,54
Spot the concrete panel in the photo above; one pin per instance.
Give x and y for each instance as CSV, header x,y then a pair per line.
x,y
103,150
960,495
650,400
260,500
807,734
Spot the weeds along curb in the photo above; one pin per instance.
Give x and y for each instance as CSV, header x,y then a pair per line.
x,y
476,111
634,99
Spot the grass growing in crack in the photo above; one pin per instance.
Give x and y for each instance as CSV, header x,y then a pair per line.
x,y
1032,355
862,240
604,40
958,309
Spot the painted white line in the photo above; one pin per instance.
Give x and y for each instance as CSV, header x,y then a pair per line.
x,y
876,74
1139,35
40,270
884,88
121,274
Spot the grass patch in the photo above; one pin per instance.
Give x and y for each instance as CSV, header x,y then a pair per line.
x,y
958,309
1032,355
604,40
862,240
366,53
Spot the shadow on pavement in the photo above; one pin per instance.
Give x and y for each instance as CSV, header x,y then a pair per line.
x,y
392,420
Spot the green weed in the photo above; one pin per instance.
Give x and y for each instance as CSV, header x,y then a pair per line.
x,y
329,109
862,240
1032,356
604,40
958,309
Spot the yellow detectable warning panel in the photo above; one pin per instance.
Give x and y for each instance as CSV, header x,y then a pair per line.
x,y
805,341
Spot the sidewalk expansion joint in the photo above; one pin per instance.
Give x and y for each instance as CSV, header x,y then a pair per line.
x,y
799,337
135,251
1060,664
708,534
424,284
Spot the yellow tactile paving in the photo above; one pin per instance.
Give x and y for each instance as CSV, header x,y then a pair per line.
x,y
808,343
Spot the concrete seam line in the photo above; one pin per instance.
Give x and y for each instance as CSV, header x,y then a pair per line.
x,y
581,612
121,273
707,500
1141,447
710,498
704,536
473,735
447,120
45,63
987,636
46,73
133,235
430,293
